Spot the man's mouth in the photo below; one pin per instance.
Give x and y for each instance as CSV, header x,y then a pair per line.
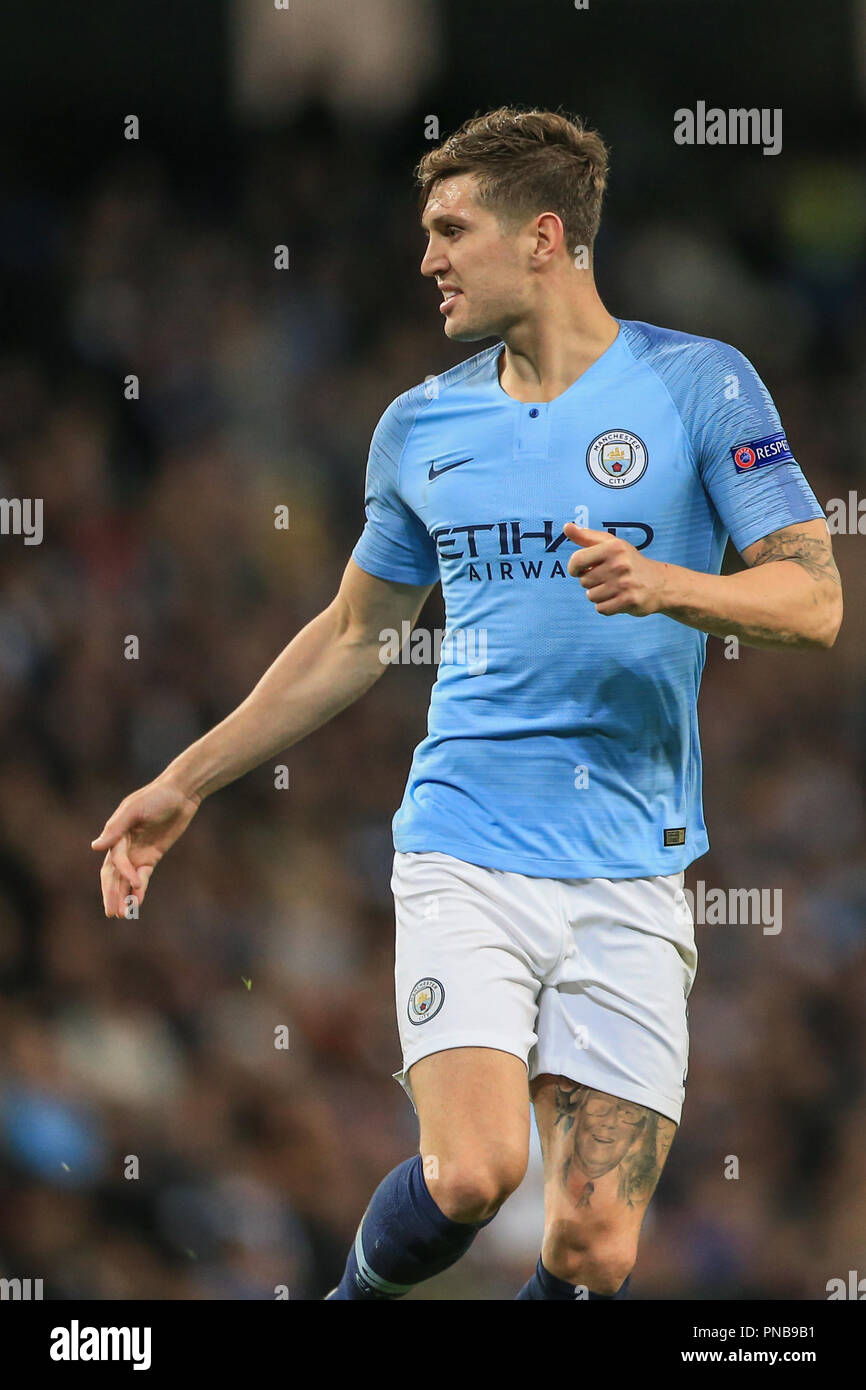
x,y
450,296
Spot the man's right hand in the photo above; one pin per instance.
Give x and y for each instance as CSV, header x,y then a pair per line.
x,y
143,827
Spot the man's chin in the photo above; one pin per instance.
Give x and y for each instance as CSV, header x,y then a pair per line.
x,y
467,332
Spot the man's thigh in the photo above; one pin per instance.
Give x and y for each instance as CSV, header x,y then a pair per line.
x,y
471,1098
473,1112
602,1160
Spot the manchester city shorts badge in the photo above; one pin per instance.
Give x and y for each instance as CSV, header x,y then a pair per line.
x,y
425,1000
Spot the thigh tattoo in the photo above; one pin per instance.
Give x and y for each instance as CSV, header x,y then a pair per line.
x,y
609,1134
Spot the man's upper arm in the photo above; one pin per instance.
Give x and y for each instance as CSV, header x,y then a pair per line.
x,y
368,605
395,544
746,465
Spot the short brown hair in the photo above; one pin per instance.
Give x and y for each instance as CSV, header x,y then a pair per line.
x,y
526,162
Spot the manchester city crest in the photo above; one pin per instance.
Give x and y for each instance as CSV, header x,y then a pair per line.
x,y
425,1000
617,458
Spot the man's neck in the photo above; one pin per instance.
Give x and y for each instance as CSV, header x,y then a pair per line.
x,y
545,356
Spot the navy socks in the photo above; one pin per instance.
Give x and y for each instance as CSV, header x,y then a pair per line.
x,y
403,1238
544,1285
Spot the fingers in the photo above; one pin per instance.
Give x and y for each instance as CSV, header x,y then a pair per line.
x,y
591,541
136,893
582,560
597,546
120,854
582,535
111,832
118,876
112,886
120,883
602,593
121,878
144,874
115,888
613,606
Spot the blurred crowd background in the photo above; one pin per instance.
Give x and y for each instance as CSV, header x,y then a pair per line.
x,y
259,388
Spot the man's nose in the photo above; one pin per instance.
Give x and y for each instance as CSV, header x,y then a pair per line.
x,y
433,262
606,1120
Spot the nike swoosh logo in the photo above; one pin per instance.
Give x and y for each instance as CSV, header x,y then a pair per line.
x,y
436,472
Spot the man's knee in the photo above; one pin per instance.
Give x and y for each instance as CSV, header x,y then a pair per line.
x,y
473,1188
601,1257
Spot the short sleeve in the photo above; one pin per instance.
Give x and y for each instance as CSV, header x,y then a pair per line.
x,y
395,543
745,461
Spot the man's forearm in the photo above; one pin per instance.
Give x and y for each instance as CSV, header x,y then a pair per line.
x,y
777,604
322,671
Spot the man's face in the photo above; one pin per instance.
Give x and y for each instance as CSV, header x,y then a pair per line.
x,y
606,1129
468,251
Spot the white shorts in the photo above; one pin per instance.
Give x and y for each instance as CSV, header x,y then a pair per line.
x,y
587,978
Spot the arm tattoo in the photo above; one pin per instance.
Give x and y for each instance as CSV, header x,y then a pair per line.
x,y
811,552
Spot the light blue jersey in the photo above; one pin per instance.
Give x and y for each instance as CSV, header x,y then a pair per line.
x,y
562,743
